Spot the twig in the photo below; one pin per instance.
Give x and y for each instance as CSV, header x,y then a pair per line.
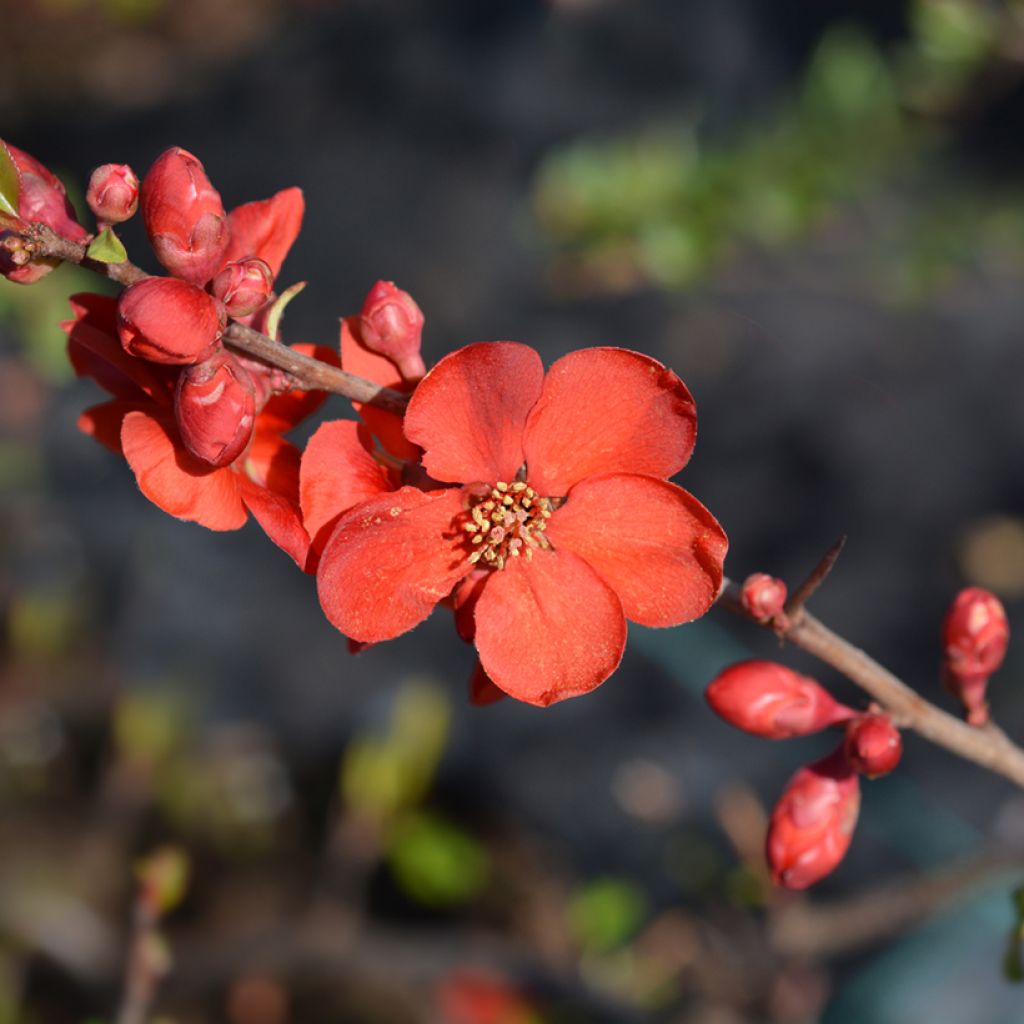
x,y
818,575
309,373
988,746
147,965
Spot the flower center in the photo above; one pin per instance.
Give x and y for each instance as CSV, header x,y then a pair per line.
x,y
505,521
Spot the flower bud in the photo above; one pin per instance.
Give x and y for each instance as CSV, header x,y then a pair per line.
x,y
873,744
41,199
770,700
184,217
812,823
216,409
975,634
113,193
244,286
763,596
391,324
167,320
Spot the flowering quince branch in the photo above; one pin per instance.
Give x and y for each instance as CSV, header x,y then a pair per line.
x,y
533,504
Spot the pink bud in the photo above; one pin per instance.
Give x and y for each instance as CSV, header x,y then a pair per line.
x,y
770,700
813,822
763,596
184,217
391,324
244,286
113,193
167,320
41,199
873,744
975,635
216,409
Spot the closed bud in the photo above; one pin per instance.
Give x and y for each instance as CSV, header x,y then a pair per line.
x,y
763,596
391,324
184,217
167,320
41,199
813,822
113,193
975,635
873,744
216,409
244,286
772,701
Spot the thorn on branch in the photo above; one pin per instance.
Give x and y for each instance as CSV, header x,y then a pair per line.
x,y
803,593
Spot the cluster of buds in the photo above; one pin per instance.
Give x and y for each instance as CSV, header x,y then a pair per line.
x,y
975,635
813,821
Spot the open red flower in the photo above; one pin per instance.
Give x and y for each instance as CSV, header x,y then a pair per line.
x,y
560,525
138,423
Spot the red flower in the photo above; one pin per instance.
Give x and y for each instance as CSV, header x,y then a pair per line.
x,y
139,424
559,504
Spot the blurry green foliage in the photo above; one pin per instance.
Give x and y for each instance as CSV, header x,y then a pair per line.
x,y
125,11
1013,965
382,775
163,878
435,862
43,625
35,312
605,913
151,727
660,207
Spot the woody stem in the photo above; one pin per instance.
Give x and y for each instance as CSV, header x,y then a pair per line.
x,y
987,746
309,374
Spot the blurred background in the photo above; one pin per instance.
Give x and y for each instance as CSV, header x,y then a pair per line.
x,y
815,214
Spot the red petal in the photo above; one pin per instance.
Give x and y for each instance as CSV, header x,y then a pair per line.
x,y
549,628
95,351
390,560
464,599
176,482
103,422
338,471
608,410
279,518
286,411
482,690
267,228
469,412
385,426
273,462
653,543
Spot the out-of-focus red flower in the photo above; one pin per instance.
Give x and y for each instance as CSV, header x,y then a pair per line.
x,y
770,700
244,286
184,217
113,193
41,199
975,636
215,407
167,320
472,997
556,493
138,422
873,744
391,324
813,822
763,596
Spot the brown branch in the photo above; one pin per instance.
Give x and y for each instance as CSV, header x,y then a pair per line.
x,y
310,374
988,746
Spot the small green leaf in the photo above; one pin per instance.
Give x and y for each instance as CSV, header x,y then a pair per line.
x,y
10,183
106,247
276,311
605,913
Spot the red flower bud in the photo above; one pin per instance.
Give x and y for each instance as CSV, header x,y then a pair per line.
x,y
763,596
244,286
391,324
113,193
812,823
975,635
873,744
41,199
770,700
167,320
184,217
216,409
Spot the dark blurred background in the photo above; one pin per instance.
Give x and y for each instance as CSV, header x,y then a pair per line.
x,y
815,214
